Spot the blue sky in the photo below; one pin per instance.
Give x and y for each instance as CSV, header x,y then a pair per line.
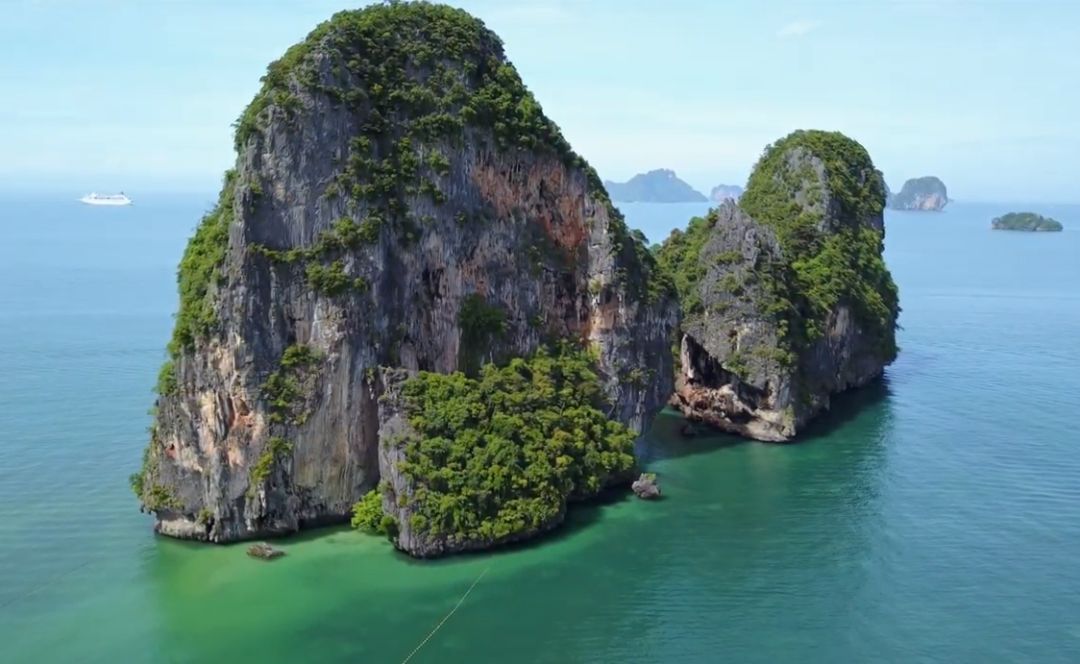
x,y
141,95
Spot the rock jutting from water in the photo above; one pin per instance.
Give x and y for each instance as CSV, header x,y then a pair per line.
x,y
400,210
264,551
786,298
645,487
925,194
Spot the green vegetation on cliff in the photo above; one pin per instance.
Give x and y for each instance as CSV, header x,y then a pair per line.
x,y
481,325
200,268
417,75
276,450
850,179
421,78
369,517
830,255
679,257
501,454
322,262
1025,221
374,53
166,380
286,389
830,245
144,484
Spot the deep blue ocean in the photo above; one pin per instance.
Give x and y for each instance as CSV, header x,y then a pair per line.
x,y
932,518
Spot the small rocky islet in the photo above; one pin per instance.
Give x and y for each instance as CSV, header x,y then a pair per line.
x,y
415,307
1025,221
725,192
785,297
924,194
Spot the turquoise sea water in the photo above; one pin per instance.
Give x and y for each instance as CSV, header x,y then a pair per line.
x,y
934,517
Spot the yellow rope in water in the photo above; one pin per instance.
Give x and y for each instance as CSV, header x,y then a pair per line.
x,y
446,617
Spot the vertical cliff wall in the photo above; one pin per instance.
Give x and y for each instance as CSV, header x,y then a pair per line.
x,y
399,199
786,297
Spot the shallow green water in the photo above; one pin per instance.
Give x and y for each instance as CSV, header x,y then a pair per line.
x,y
935,517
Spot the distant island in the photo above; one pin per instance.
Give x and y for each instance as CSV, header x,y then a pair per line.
x,y
926,194
659,186
1025,221
725,192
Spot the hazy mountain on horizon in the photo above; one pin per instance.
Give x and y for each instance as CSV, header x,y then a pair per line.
x,y
723,192
656,186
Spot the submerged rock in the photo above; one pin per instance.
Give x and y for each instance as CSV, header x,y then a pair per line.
x,y
786,298
645,487
927,194
399,200
264,551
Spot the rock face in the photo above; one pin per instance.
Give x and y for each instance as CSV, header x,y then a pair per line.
x,y
725,192
264,551
399,200
1025,221
659,186
922,194
786,298
645,487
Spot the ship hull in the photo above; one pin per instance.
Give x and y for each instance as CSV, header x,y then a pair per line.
x,y
105,203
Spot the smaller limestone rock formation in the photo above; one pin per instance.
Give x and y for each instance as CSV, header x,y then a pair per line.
x,y
786,298
1025,221
925,194
659,186
264,551
645,487
725,192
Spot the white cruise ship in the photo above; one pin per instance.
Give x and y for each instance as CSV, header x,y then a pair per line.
x,y
106,199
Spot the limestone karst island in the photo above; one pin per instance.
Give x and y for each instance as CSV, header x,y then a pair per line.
x,y
415,307
925,194
659,186
725,192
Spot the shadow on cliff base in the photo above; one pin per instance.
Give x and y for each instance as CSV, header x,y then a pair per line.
x,y
673,436
845,408
665,439
580,516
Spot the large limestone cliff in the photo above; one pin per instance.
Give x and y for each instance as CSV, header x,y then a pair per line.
x,y
786,298
399,200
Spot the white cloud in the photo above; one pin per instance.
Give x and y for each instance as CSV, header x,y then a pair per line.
x,y
798,28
